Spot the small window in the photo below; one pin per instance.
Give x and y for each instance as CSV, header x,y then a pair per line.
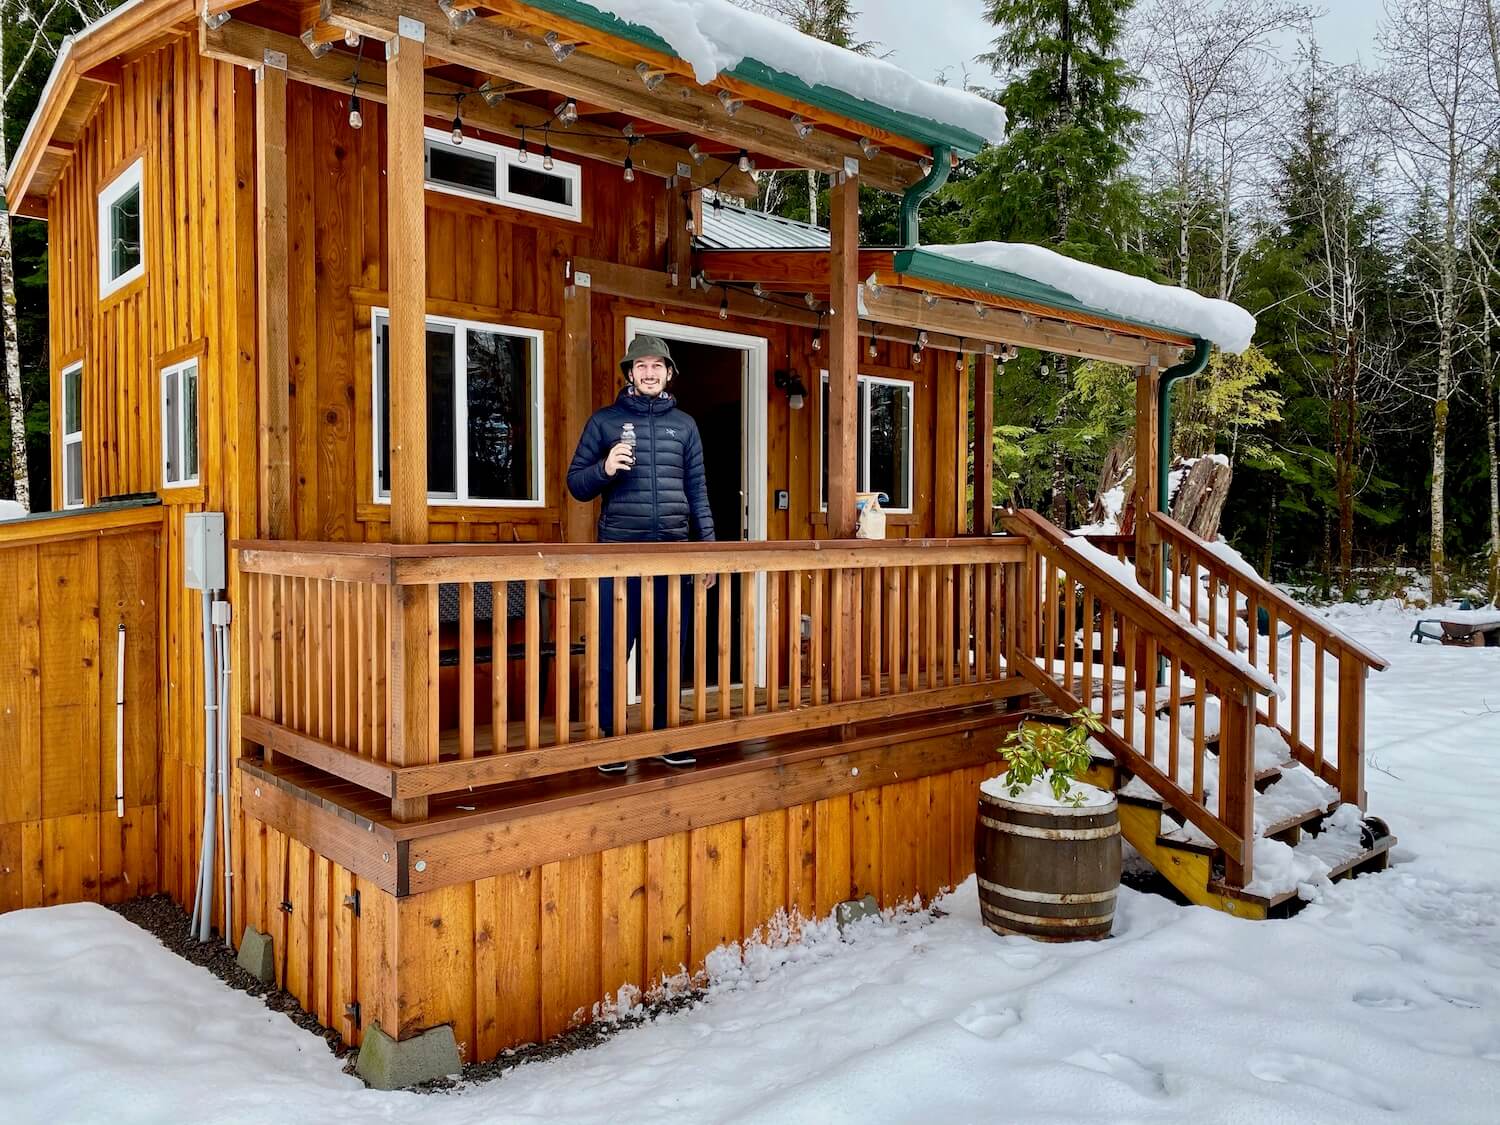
x,y
72,443
484,413
501,174
885,440
121,231
179,424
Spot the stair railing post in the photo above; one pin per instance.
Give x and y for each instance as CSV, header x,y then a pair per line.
x,y
1351,730
1237,777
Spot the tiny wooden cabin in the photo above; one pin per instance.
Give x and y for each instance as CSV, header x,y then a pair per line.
x,y
355,274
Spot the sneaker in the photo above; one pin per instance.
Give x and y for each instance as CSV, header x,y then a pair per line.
x,y
679,759
613,767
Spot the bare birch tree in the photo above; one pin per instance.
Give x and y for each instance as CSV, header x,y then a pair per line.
x,y
30,36
1440,119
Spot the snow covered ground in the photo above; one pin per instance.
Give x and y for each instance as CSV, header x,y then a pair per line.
x,y
1379,1003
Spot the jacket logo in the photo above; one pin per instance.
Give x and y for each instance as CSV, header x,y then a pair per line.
x,y
671,432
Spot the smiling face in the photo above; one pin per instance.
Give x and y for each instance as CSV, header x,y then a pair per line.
x,y
650,374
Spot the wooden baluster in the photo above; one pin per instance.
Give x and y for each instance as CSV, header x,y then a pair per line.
x,y
534,664
1047,617
466,670
1174,574
965,621
700,650
617,657
1174,719
931,588
1273,655
1127,644
747,643
819,631
981,640
1106,664
837,657
1086,676
362,648
646,650
794,638
499,667
949,643
914,605
1237,777
1318,713
1295,657
773,640
997,620
726,650
1200,732
1148,731
562,658
592,654
1070,631
1194,587
317,662
1213,605
893,626
856,635
1232,615
1010,575
1252,630
382,601
1351,729
674,650
875,646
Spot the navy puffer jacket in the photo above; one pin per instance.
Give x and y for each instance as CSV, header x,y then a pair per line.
x,y
664,498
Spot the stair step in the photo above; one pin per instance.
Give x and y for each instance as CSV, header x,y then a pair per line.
x,y
1374,858
1297,820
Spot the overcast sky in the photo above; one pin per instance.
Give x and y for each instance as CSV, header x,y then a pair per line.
x,y
926,36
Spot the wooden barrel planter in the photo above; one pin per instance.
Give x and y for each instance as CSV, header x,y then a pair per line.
x,y
1050,873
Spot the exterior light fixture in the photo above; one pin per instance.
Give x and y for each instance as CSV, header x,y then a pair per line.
x,y
547,156
351,38
458,129
796,390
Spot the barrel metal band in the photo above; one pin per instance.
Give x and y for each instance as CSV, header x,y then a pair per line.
x,y
1052,833
1034,920
1046,896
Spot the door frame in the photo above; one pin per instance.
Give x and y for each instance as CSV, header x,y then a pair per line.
x,y
755,457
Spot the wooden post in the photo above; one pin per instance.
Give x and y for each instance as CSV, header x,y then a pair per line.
x,y
682,203
272,351
958,466
984,445
843,410
843,354
1237,778
948,488
577,396
1351,728
1148,567
414,734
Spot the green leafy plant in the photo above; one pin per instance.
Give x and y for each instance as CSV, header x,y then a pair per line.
x,y
1058,753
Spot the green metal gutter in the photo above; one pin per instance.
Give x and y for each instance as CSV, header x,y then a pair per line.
x,y
756,73
912,197
1193,365
945,269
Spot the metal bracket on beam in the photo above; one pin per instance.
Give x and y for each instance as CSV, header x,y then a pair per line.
x,y
408,28
276,60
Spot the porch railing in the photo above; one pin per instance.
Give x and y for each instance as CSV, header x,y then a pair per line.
x,y
787,637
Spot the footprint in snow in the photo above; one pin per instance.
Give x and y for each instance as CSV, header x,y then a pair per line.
x,y
1383,1001
1022,960
1332,1079
1458,1001
1140,1077
987,1019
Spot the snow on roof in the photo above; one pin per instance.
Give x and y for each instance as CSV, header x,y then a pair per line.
x,y
714,36
733,227
1121,294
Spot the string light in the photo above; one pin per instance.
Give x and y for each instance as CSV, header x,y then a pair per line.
x,y
458,128
929,300
356,119
560,49
730,103
981,310
873,350
744,161
567,113
922,338
724,304
812,302
351,38
547,155
687,205
817,344
629,169
651,79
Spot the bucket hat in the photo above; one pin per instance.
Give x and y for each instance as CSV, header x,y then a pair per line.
x,y
643,346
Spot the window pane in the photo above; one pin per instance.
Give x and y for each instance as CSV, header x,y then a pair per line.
x,y
470,171
171,453
72,406
125,232
537,184
890,442
190,423
383,435
442,477
860,455
823,414
73,473
501,441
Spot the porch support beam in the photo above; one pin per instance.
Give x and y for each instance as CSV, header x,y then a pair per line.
x,y
984,445
273,365
843,354
577,394
1148,563
490,48
414,714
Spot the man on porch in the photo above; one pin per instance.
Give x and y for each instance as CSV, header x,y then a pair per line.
x,y
645,458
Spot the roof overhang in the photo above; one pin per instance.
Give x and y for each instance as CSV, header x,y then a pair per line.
x,y
82,74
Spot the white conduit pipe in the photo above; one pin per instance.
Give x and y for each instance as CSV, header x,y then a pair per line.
x,y
222,618
120,724
203,901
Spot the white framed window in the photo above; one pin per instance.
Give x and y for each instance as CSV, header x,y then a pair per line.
x,y
885,440
72,436
122,256
179,424
501,174
484,412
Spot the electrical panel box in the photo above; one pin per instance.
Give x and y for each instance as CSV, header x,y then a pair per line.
x,y
203,551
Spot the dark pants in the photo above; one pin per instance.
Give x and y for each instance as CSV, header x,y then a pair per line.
x,y
663,649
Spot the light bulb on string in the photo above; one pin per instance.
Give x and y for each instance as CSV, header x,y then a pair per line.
x,y
458,129
817,344
744,161
874,351
523,152
724,305
547,156
567,113
629,169
651,79
356,118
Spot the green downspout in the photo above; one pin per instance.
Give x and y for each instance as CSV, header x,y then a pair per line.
x,y
911,199
1193,365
